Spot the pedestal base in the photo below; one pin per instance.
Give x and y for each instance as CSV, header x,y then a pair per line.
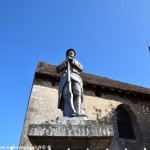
x,y
71,133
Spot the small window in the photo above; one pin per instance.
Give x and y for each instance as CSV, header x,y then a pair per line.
x,y
124,123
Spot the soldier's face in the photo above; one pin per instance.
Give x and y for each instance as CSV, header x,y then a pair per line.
x,y
71,53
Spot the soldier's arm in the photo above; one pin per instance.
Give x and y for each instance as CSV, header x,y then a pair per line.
x,y
77,65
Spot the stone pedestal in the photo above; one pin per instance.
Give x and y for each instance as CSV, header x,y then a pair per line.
x,y
76,133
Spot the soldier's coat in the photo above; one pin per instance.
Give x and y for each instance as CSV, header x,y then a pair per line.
x,y
75,69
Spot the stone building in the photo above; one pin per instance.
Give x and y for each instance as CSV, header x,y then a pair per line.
x,y
122,106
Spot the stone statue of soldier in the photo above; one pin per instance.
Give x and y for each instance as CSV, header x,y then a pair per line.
x,y
70,92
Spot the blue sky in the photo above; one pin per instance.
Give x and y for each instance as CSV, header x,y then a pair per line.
x,y
109,37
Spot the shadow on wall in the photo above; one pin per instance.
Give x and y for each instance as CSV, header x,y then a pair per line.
x,y
127,130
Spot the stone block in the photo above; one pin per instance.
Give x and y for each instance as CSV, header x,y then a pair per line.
x,y
73,133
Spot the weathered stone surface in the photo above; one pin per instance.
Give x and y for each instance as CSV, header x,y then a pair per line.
x,y
99,106
86,128
96,136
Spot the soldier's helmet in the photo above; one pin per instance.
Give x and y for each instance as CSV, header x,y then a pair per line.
x,y
70,49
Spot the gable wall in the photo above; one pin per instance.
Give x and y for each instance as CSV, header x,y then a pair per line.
x,y
43,107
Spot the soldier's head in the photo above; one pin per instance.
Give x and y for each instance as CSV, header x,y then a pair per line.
x,y
70,52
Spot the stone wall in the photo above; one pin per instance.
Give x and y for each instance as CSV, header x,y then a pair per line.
x,y
42,107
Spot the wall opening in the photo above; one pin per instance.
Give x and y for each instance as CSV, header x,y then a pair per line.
x,y
124,123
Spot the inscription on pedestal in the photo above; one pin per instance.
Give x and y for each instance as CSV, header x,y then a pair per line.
x,y
72,133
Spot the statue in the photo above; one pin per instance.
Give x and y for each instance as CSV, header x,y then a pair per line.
x,y
70,92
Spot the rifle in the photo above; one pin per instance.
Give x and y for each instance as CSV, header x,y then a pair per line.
x,y
70,110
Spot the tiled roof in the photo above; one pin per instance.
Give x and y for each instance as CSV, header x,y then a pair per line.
x,y
48,70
